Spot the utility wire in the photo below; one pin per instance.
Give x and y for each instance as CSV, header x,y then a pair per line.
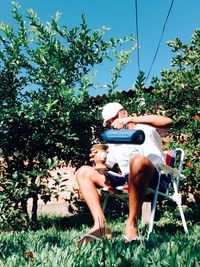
x,y
160,39
137,35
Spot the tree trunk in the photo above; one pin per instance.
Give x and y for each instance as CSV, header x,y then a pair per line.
x,y
34,209
25,210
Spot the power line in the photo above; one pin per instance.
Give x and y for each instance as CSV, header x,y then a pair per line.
x,y
137,35
160,39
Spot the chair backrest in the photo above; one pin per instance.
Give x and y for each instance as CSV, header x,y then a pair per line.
x,y
174,158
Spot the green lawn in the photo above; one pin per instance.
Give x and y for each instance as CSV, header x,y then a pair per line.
x,y
54,244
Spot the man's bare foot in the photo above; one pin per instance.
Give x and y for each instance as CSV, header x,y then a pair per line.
x,y
96,234
130,233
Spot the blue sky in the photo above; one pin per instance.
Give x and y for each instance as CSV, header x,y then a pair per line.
x,y
120,17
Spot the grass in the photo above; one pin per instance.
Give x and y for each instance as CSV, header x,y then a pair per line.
x,y
54,244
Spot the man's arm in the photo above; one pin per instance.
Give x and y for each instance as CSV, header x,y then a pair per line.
x,y
152,120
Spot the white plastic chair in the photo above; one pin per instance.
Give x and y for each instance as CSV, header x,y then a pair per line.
x,y
174,161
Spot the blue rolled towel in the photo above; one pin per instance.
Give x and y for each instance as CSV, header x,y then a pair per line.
x,y
124,136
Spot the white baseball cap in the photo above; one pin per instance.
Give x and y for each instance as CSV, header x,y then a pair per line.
x,y
110,110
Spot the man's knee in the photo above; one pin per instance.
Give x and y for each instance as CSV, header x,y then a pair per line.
x,y
141,171
139,163
83,172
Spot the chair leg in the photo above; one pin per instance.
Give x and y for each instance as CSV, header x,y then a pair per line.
x,y
151,223
177,198
183,218
105,202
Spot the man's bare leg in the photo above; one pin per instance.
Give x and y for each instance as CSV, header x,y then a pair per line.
x,y
141,171
88,178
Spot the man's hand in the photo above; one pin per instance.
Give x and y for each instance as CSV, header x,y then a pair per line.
x,y
119,123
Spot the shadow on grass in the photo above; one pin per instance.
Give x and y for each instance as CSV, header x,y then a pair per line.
x,y
63,223
168,218
115,211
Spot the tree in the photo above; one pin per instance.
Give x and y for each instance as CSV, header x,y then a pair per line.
x,y
177,94
46,111
179,89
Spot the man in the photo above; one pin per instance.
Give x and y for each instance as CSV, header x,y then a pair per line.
x,y
137,163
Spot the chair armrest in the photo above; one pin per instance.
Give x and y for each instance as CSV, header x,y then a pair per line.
x,y
169,170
